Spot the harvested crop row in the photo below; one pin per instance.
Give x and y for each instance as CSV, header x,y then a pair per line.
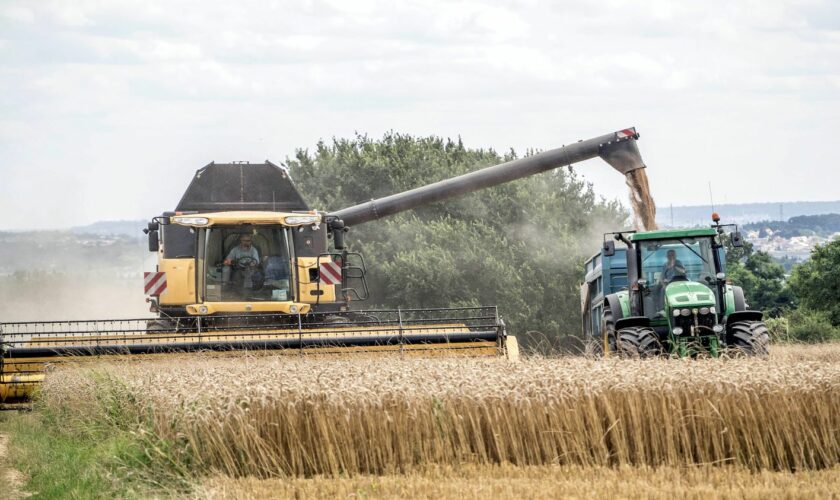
x,y
268,416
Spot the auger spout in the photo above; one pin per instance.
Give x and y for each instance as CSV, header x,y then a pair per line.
x,y
618,149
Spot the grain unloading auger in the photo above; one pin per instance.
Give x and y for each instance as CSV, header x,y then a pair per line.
x,y
245,264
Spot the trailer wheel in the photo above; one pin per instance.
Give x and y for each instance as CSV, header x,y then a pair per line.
x,y
750,338
638,342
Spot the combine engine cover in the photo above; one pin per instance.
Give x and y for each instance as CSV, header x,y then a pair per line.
x,y
221,187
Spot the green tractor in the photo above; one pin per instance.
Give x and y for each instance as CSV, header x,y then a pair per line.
x,y
666,293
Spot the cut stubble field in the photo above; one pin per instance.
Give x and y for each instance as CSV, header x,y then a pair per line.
x,y
254,426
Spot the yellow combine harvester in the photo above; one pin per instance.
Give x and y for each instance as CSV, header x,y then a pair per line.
x,y
245,264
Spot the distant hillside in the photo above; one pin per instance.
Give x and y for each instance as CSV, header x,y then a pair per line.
x,y
689,216
112,227
803,225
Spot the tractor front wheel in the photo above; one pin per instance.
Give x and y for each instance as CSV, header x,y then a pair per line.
x,y
638,342
750,338
606,344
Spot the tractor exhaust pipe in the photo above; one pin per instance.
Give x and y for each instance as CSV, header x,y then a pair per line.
x,y
618,149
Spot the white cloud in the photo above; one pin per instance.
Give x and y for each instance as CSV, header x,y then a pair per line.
x,y
117,95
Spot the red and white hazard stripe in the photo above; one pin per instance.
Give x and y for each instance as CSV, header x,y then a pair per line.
x,y
154,283
330,273
628,132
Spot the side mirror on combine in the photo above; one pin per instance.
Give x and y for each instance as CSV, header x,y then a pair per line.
x,y
154,241
337,230
608,249
737,240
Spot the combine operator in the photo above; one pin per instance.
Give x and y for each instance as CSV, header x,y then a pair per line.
x,y
243,259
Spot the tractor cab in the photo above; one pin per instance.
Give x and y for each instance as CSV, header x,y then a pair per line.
x,y
676,271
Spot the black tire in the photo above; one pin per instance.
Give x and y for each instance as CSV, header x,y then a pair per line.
x,y
607,332
638,342
750,338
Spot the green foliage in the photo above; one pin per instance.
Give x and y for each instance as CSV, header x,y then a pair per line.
x,y
761,277
520,245
811,326
64,464
816,282
779,328
96,447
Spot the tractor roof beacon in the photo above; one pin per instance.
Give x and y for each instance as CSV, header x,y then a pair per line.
x,y
666,292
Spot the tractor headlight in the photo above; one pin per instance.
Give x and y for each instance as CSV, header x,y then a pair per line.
x,y
676,312
686,312
717,328
202,309
704,310
293,309
713,310
677,330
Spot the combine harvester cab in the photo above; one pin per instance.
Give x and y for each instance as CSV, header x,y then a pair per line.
x,y
666,292
243,263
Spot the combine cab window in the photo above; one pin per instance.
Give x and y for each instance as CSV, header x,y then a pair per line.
x,y
247,265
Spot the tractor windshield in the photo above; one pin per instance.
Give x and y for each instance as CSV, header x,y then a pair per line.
x,y
686,259
247,264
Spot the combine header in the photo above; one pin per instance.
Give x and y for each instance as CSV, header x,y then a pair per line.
x,y
245,264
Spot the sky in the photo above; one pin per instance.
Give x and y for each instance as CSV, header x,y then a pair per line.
x,y
107,108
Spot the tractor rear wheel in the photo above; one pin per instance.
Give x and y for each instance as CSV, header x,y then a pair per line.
x,y
638,342
750,338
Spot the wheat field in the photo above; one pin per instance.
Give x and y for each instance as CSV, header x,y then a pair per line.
x,y
515,482
276,417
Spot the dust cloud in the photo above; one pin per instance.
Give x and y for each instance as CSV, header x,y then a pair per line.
x,y
58,298
644,208
63,275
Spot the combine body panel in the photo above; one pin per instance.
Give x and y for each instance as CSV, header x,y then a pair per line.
x,y
667,292
245,264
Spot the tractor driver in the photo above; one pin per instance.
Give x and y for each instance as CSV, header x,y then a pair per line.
x,y
672,268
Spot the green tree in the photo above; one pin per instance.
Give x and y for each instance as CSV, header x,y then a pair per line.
x,y
761,277
816,281
520,245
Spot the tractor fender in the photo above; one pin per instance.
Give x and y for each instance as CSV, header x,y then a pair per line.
x,y
743,316
739,299
614,302
630,321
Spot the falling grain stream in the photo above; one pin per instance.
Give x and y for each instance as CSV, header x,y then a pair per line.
x,y
644,209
